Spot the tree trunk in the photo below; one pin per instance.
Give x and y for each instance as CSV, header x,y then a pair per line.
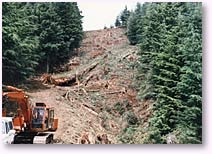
x,y
47,64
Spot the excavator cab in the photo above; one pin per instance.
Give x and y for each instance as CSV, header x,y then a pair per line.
x,y
11,108
43,118
38,118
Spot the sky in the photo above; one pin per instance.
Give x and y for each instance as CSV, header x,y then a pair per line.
x,y
98,14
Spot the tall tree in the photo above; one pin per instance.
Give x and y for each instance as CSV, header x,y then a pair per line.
x,y
60,32
41,34
169,68
136,24
19,55
124,16
71,24
117,22
50,34
190,86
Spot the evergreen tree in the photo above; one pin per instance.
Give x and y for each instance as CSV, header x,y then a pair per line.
x,y
42,34
71,24
169,68
117,22
124,16
136,23
190,87
50,34
132,29
19,55
60,32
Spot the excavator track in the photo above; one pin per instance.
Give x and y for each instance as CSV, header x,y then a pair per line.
x,y
43,138
33,138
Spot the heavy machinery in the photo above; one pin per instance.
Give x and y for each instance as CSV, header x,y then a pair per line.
x,y
34,123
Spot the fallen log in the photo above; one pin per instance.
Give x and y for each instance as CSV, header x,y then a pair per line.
x,y
48,79
116,92
67,81
85,82
86,70
89,109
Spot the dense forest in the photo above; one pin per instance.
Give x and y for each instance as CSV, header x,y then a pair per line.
x,y
38,37
169,36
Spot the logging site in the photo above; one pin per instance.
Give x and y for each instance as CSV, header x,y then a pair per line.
x,y
137,81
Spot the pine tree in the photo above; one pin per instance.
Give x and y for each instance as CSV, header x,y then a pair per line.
x,y
19,55
190,85
136,24
71,24
117,22
132,29
124,16
42,34
50,34
170,68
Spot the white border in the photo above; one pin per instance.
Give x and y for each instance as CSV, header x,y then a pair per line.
x,y
147,149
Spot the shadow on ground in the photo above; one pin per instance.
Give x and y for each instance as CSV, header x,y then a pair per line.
x,y
33,85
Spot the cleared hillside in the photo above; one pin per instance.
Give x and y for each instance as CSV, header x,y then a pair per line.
x,y
101,103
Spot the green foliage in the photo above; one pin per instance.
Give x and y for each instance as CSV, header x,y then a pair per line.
x,y
132,29
37,34
60,31
135,24
124,16
154,137
118,107
117,22
127,135
186,134
50,34
19,56
122,107
131,118
169,66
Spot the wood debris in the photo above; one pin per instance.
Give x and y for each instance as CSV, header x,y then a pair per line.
x,y
84,104
66,81
63,81
89,138
95,54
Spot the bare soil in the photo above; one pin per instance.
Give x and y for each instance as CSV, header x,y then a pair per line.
x,y
97,104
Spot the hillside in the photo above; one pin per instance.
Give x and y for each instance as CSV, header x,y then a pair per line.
x,y
101,103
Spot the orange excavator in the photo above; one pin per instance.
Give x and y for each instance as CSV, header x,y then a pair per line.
x,y
34,123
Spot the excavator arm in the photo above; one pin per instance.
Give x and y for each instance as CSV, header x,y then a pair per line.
x,y
16,104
